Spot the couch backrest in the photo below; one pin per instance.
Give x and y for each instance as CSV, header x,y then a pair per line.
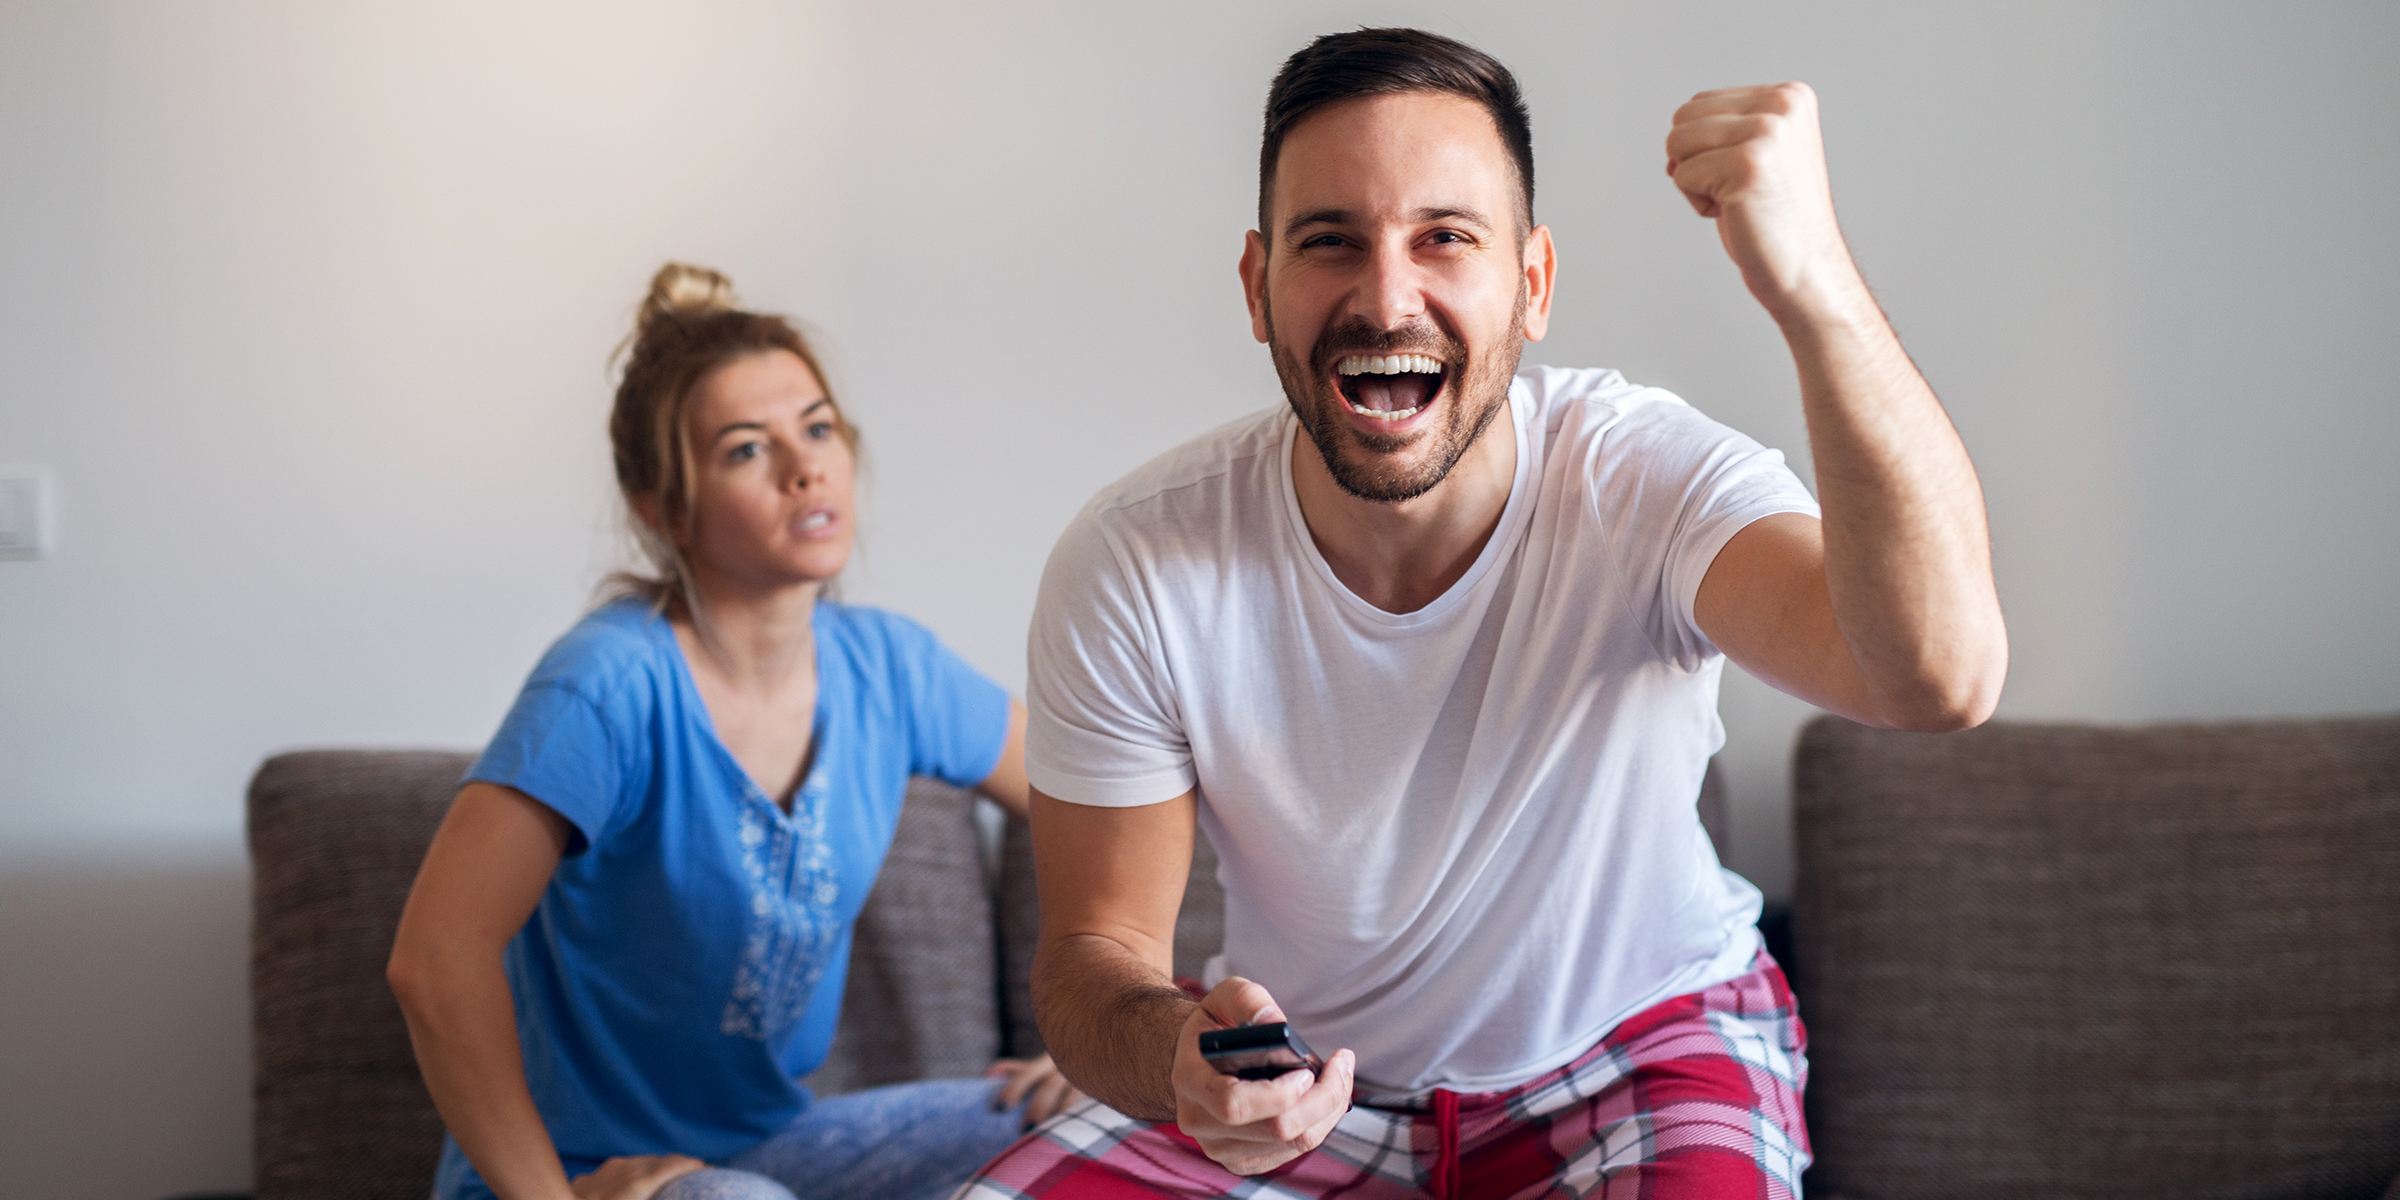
x,y
336,837
2070,961
335,840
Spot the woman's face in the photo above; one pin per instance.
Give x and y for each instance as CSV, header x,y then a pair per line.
x,y
773,494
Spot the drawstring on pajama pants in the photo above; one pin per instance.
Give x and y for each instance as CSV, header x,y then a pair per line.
x,y
1444,1184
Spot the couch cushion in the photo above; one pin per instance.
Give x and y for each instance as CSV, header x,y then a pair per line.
x,y
2070,961
335,840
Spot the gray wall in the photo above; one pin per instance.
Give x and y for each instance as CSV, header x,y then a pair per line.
x,y
306,308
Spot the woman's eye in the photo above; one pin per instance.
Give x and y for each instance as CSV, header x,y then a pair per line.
x,y
821,430
742,453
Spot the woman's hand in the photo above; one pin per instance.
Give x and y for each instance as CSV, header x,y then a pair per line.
x,y
1037,1082
634,1177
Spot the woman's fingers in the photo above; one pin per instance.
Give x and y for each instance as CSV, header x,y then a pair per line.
x,y
1050,1099
634,1176
1021,1076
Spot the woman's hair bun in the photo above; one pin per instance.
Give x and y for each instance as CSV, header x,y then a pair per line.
x,y
683,290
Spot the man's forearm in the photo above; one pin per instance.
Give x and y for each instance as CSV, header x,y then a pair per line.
x,y
1907,549
1907,557
1111,1020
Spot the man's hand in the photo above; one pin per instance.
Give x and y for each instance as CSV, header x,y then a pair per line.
x,y
634,1177
1253,1125
1753,159
1037,1082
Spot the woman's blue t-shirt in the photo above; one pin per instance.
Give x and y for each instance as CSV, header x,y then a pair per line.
x,y
685,965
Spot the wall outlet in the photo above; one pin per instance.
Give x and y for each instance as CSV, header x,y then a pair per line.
x,y
28,513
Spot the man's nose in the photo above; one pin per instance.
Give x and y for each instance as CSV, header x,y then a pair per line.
x,y
1391,291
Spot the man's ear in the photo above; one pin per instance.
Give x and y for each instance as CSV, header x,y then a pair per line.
x,y
1254,282
1541,278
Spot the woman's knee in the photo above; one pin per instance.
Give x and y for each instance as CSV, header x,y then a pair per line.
x,y
717,1183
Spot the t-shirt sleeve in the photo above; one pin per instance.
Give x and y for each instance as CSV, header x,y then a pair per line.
x,y
1701,483
957,717
1102,726
556,746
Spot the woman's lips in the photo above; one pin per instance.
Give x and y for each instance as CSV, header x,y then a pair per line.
x,y
816,523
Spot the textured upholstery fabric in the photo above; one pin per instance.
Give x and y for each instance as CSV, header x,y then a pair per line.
x,y
335,840
336,837
2063,961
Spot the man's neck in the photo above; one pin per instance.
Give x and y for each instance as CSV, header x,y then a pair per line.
x,y
1401,557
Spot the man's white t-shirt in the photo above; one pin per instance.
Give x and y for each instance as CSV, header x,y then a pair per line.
x,y
1461,841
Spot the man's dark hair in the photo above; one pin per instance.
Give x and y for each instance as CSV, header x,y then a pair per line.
x,y
1384,62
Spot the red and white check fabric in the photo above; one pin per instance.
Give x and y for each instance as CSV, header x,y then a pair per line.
x,y
1698,1096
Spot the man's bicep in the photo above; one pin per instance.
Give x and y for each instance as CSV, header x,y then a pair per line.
x,y
1114,873
1764,603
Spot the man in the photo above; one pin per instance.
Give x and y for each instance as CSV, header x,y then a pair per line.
x,y
1434,659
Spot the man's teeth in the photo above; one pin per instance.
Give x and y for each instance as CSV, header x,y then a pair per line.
x,y
1393,364
1388,364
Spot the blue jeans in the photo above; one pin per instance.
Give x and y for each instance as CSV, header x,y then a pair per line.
x,y
909,1141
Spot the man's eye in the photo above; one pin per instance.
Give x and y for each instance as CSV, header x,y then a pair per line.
x,y
1449,236
1322,240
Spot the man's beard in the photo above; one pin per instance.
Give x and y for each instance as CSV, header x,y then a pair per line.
x,y
1361,463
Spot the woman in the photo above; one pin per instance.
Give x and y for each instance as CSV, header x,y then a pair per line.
x,y
629,935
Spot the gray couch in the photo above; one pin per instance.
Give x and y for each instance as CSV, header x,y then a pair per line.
x,y
2056,961
2067,961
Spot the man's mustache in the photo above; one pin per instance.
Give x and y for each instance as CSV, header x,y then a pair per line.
x,y
1357,336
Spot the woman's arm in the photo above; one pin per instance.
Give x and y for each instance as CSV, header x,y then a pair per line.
x,y
1006,784
482,876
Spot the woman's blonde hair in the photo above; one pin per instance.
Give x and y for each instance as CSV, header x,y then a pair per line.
x,y
690,324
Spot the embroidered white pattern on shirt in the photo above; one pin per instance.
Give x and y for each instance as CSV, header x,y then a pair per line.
x,y
792,926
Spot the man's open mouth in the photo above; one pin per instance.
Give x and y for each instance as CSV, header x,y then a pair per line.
x,y
1389,387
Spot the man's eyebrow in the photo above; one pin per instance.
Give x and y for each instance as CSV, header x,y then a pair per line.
x,y
1343,216
761,427
1468,215
1317,216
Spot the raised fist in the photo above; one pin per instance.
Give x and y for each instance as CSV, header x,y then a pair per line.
x,y
1753,159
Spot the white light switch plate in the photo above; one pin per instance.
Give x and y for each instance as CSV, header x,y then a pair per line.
x,y
27,521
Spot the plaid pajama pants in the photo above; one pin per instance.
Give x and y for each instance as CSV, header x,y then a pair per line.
x,y
1698,1096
